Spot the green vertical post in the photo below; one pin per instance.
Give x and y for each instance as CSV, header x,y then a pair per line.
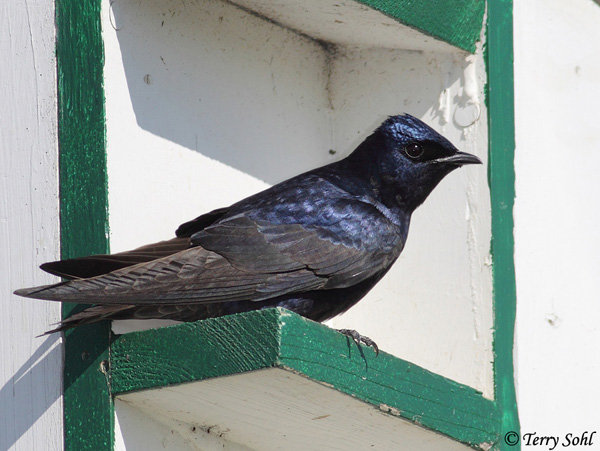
x,y
88,410
500,98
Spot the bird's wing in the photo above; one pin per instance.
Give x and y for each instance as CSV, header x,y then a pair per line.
x,y
344,251
95,265
187,229
194,275
237,259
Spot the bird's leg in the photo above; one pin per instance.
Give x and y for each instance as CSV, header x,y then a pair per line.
x,y
358,339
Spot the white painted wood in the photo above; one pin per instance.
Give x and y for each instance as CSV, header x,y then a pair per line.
x,y
557,224
135,430
207,104
346,23
434,306
30,367
273,409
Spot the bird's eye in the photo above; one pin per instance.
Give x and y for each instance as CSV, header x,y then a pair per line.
x,y
414,151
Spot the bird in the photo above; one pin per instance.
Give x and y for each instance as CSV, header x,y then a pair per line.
x,y
314,244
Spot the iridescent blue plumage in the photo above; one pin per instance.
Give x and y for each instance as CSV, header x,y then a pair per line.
x,y
315,244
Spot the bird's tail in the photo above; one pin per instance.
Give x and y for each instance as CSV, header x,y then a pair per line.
x,y
89,316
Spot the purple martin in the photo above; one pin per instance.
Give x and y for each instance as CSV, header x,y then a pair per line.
x,y
314,244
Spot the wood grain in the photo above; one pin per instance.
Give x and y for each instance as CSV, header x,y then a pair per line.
x,y
30,366
238,344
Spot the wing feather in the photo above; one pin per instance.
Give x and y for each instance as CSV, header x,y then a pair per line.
x,y
241,257
95,265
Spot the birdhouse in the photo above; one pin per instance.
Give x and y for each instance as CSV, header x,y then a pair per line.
x,y
169,109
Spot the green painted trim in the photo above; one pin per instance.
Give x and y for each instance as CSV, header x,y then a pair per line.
x,y
87,404
88,410
278,338
456,22
272,338
500,101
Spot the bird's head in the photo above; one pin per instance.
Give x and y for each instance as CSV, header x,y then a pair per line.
x,y
407,159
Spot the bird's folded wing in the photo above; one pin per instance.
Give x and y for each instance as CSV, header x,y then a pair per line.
x,y
334,252
95,265
195,275
237,260
187,229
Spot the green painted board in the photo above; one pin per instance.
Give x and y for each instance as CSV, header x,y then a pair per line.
x,y
88,410
456,22
278,338
500,102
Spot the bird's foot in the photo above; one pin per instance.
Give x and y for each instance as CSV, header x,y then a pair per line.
x,y
358,339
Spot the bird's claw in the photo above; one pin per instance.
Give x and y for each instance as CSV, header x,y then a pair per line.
x,y
358,339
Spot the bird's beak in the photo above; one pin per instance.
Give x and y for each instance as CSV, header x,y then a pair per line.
x,y
459,158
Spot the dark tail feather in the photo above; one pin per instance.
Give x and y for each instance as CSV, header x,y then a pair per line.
x,y
81,268
89,316
96,265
